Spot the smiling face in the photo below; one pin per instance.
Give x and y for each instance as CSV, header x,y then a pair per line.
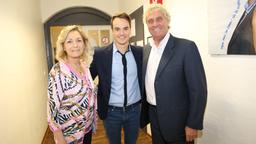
x,y
74,45
121,31
157,23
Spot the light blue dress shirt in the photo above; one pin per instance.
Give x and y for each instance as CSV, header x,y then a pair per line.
x,y
117,80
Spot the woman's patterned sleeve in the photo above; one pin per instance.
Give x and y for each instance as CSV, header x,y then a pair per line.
x,y
53,102
94,125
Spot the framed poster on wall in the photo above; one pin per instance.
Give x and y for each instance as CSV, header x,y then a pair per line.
x,y
231,27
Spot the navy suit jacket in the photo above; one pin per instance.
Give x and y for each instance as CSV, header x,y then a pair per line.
x,y
180,87
102,67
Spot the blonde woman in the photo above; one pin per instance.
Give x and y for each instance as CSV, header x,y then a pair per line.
x,y
71,105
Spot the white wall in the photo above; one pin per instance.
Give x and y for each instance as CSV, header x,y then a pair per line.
x,y
129,6
23,75
230,117
51,7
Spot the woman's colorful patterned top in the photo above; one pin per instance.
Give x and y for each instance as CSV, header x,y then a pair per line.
x,y
71,105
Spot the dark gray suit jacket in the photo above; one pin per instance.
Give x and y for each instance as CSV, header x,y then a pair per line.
x,y
180,87
102,66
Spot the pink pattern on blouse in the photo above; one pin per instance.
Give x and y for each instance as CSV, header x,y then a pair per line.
x,y
71,105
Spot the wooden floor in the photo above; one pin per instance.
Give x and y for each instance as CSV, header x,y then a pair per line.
x,y
100,136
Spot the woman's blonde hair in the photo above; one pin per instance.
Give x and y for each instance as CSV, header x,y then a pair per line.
x,y
61,55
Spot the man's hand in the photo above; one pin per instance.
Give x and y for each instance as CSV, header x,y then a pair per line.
x,y
191,134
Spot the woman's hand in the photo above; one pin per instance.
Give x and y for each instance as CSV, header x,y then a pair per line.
x,y
59,138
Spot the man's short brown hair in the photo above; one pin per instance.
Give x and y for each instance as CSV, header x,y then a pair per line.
x,y
122,16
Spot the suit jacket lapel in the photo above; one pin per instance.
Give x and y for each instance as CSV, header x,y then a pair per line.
x,y
166,56
235,33
146,53
107,62
135,54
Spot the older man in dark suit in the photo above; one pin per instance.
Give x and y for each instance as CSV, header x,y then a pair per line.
x,y
174,83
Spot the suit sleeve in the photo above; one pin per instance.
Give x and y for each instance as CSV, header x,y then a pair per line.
x,y
197,87
93,68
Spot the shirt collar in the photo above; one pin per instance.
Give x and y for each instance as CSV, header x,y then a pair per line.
x,y
115,48
163,41
248,7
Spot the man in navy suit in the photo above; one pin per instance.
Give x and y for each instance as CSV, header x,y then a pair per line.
x,y
118,67
173,81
